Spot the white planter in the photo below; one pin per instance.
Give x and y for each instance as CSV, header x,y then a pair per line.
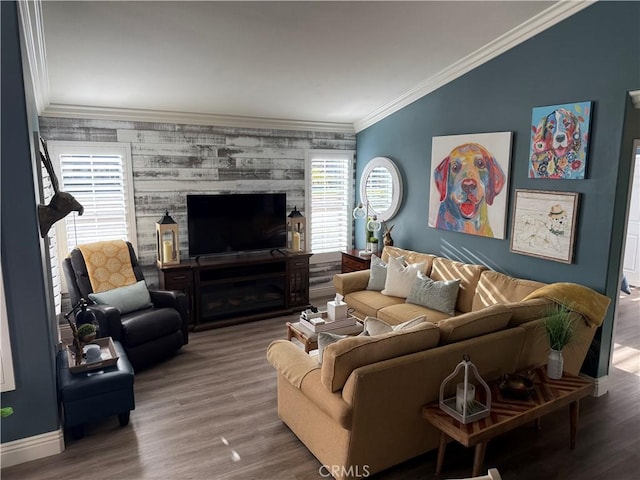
x,y
372,247
555,364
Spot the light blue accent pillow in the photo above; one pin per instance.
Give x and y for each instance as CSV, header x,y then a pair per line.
x,y
378,273
126,299
440,296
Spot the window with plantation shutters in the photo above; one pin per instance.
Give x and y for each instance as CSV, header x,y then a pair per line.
x,y
329,200
99,176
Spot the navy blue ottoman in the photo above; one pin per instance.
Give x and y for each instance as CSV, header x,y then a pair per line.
x,y
90,396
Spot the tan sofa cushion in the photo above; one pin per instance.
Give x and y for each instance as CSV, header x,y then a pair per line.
x,y
401,312
474,324
445,269
341,358
494,287
368,302
409,257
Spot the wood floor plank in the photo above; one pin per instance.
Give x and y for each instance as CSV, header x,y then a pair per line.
x,y
210,413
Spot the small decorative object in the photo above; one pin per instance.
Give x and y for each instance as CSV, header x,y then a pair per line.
x,y
519,387
84,330
560,328
464,407
167,241
468,178
559,141
386,239
296,227
544,224
6,411
372,227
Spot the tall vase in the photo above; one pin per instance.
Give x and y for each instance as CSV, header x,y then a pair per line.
x,y
555,364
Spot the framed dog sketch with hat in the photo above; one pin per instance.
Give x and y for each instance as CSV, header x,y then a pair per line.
x,y
470,183
559,141
544,224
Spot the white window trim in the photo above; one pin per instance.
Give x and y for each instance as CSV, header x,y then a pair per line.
x,y
340,154
57,148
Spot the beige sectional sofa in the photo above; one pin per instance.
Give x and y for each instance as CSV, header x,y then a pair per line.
x,y
360,411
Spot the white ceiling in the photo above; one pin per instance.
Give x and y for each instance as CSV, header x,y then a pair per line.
x,y
341,62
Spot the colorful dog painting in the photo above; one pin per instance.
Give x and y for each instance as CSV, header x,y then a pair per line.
x,y
467,182
559,141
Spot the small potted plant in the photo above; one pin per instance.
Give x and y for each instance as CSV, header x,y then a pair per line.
x,y
560,328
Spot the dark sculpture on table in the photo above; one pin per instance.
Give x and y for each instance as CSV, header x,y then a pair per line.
x,y
61,204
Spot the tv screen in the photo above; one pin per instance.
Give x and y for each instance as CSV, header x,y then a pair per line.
x,y
229,223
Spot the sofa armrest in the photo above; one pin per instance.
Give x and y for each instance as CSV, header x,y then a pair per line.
x,y
108,320
173,299
351,282
290,361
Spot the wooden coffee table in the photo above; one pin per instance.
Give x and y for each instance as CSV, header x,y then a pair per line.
x,y
506,414
310,339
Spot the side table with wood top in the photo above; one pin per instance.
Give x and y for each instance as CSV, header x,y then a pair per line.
x,y
506,414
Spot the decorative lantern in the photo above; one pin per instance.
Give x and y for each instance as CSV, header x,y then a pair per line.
x,y
296,231
168,244
464,406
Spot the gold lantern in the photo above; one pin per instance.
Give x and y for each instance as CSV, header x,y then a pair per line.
x,y
296,231
168,243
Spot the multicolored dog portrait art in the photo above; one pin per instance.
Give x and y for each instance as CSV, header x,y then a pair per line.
x,y
469,180
559,141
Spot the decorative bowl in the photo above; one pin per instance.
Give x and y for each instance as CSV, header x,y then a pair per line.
x,y
516,386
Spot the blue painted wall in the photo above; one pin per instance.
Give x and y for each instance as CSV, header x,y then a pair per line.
x,y
34,400
593,55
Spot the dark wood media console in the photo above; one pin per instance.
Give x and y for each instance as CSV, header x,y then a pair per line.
x,y
240,288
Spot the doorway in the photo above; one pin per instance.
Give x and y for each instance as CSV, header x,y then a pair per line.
x,y
631,261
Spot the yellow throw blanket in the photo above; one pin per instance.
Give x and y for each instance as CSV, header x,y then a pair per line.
x,y
108,264
583,300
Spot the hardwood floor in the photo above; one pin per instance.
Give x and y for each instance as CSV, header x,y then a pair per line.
x,y
210,413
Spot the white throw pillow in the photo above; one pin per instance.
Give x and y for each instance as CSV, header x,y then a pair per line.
x,y
378,273
374,326
400,278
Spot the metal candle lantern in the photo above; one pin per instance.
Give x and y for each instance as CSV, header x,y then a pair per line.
x,y
464,407
296,231
168,243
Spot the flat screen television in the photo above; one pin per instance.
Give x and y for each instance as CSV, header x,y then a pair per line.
x,y
242,222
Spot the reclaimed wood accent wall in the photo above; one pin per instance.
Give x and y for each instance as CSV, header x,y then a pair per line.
x,y
172,160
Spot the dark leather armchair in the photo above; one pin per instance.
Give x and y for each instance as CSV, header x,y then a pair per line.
x,y
148,335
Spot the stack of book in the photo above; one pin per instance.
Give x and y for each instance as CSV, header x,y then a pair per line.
x,y
322,323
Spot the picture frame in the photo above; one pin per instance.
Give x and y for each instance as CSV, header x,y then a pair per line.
x,y
544,224
469,184
560,141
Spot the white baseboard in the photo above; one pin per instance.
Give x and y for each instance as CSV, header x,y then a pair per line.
x,y
601,384
32,448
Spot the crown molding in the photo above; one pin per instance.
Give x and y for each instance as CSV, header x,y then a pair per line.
x,y
635,98
161,116
544,20
33,45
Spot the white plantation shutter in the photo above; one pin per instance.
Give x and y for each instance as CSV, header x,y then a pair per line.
x,y
99,176
330,188
97,182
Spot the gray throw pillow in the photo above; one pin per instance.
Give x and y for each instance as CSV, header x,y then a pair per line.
x,y
374,326
327,338
440,296
126,299
378,273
